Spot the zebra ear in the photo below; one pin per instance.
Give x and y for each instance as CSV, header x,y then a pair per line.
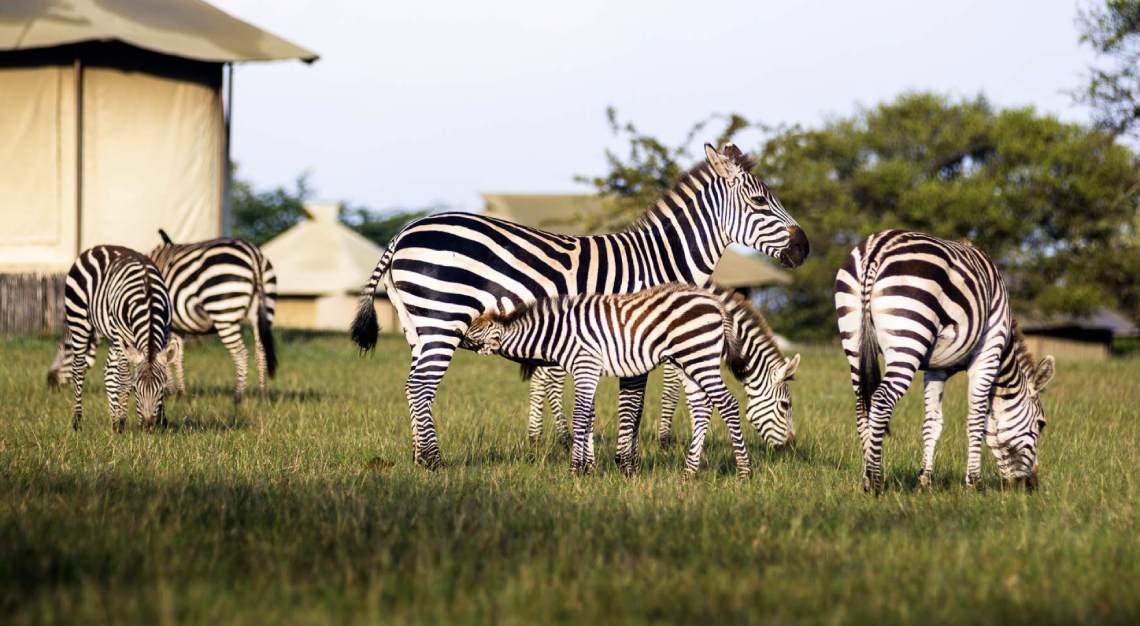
x,y
1044,373
165,238
720,165
134,355
790,367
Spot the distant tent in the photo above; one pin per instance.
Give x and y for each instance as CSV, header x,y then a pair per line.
x,y
581,214
1076,338
321,265
114,123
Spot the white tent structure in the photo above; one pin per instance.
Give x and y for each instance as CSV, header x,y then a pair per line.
x,y
321,266
113,123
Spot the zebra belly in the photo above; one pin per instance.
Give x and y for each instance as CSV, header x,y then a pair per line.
x,y
950,348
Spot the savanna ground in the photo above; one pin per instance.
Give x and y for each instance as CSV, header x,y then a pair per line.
x,y
307,509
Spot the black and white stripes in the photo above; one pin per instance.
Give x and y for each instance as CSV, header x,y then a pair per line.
x,y
628,335
214,285
445,270
118,294
942,307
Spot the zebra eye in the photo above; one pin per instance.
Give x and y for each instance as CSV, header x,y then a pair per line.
x,y
760,201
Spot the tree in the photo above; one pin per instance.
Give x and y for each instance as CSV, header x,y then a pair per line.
x,y
1054,203
1113,90
381,227
259,216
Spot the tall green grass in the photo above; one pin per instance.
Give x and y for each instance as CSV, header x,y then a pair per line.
x,y
307,509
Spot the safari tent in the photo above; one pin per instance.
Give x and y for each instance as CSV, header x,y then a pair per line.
x,y
115,123
321,266
582,214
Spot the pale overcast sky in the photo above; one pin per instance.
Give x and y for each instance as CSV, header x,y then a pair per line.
x,y
414,103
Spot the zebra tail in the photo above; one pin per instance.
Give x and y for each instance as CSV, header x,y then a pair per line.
x,y
869,374
264,325
365,329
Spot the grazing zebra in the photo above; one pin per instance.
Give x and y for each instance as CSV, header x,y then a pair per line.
x,y
942,307
214,285
444,270
766,376
626,335
117,293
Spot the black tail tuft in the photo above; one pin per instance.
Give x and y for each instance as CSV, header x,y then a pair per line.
x,y
734,348
165,237
869,374
365,329
526,370
265,332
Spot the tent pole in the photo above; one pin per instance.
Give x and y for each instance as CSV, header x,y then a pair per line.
x,y
78,156
227,179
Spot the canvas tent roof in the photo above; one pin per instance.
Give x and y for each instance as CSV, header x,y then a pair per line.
x,y
579,214
185,28
321,256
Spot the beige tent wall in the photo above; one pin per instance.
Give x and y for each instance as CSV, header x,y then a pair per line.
x,y
37,168
153,158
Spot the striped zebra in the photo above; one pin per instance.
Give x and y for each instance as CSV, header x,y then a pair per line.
x,y
118,294
626,335
444,270
214,285
941,307
766,377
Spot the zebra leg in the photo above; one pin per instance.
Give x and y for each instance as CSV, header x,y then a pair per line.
x,y
176,379
897,376
261,360
230,334
729,410
981,373
631,403
702,413
116,381
933,383
585,386
430,361
670,395
535,403
82,354
555,386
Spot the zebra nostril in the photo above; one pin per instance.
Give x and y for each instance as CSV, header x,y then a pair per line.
x,y
798,247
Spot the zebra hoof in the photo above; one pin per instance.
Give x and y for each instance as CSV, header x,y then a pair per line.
x,y
744,473
119,426
564,439
974,483
666,440
629,466
924,481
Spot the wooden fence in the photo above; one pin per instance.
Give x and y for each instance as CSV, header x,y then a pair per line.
x,y
31,304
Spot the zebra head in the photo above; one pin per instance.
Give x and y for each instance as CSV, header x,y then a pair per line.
x,y
484,335
770,403
749,213
1017,421
149,382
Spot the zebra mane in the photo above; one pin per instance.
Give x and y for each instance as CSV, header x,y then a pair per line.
x,y
695,178
1021,353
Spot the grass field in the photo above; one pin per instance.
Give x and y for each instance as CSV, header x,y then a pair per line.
x,y
307,509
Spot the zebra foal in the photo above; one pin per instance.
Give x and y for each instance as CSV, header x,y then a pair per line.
x,y
942,307
629,335
117,293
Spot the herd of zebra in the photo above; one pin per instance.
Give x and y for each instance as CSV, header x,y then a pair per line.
x,y
617,304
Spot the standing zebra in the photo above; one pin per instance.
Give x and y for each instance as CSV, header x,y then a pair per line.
x,y
942,307
444,270
766,376
214,285
117,293
626,335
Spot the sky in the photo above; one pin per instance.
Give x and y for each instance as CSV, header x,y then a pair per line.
x,y
422,103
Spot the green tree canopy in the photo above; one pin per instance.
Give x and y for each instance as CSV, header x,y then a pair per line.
x,y
1054,203
1113,89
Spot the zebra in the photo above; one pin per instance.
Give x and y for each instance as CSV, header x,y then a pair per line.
x,y
117,293
765,378
942,307
214,285
444,270
626,335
